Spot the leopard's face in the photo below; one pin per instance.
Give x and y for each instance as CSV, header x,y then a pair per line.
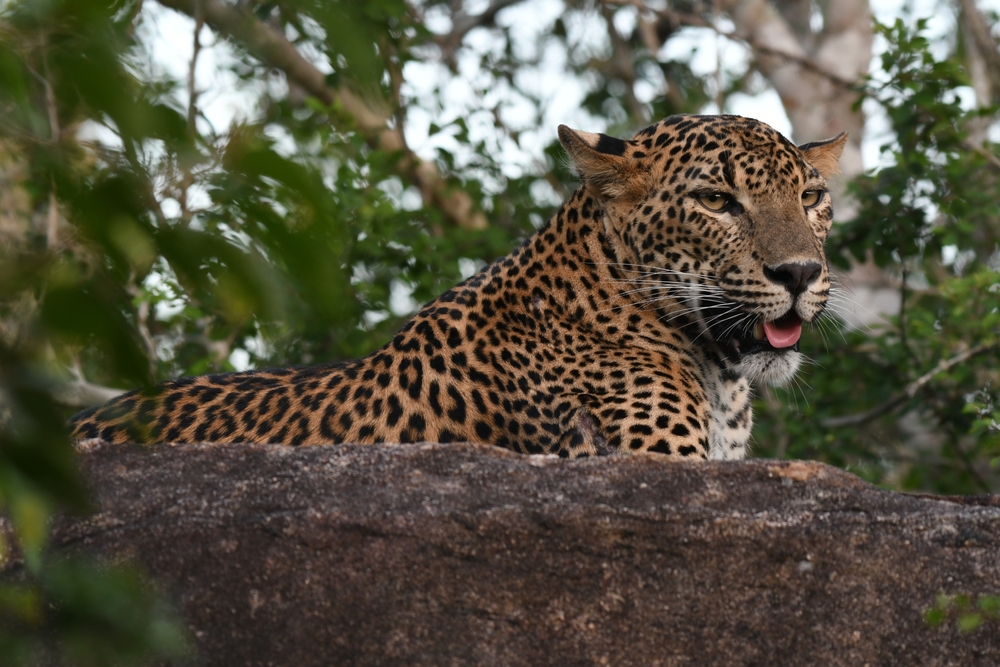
x,y
726,218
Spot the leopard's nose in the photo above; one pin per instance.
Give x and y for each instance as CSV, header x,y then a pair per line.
x,y
795,277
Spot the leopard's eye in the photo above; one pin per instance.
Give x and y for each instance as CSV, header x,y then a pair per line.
x,y
715,201
812,197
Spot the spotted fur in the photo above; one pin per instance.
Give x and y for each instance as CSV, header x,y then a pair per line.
x,y
630,322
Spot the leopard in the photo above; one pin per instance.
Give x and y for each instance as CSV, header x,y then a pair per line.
x,y
640,318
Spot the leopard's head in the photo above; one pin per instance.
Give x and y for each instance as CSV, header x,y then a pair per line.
x,y
724,219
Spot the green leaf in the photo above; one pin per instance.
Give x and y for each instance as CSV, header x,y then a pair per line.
x,y
934,617
969,622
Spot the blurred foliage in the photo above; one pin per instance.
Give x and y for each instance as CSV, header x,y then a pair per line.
x,y
140,240
912,403
77,613
968,613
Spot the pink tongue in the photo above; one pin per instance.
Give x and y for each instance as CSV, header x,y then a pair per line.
x,y
785,334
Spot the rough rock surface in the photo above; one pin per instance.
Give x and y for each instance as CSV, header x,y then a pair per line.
x,y
464,555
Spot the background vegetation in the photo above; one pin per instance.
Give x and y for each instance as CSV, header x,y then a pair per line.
x,y
264,205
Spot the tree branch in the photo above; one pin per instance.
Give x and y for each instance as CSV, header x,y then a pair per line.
x,y
276,51
910,391
463,23
142,325
982,152
52,219
794,56
80,394
199,21
187,179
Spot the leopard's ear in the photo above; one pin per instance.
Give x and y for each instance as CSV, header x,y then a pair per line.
x,y
601,162
825,155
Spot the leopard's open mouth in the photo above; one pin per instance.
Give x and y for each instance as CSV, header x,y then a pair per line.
x,y
779,335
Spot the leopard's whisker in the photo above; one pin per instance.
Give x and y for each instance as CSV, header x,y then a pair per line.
x,y
673,315
824,323
744,323
732,312
658,300
798,382
648,288
653,269
841,302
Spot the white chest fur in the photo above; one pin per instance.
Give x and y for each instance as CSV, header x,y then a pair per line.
x,y
732,416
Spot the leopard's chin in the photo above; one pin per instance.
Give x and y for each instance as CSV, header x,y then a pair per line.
x,y
775,367
739,347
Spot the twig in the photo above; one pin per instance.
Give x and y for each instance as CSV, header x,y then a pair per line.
x,y
276,51
963,463
802,61
148,193
218,349
142,324
192,115
982,152
52,219
910,391
199,22
463,24
968,464
79,394
694,21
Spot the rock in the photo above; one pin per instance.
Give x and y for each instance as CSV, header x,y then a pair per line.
x,y
465,555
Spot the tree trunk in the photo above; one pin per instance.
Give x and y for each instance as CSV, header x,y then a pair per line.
x,y
812,71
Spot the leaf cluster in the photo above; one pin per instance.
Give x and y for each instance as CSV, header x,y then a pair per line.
x,y
910,401
969,613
